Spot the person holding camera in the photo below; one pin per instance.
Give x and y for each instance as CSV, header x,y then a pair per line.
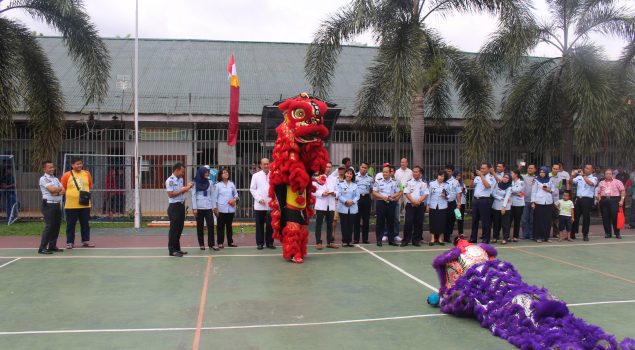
x,y
542,203
482,203
77,184
585,182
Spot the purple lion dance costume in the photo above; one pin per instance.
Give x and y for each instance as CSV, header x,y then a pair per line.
x,y
475,284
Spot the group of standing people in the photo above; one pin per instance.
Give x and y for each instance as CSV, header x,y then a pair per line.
x,y
210,199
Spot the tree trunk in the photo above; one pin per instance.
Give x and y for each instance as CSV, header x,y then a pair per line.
x,y
417,131
566,148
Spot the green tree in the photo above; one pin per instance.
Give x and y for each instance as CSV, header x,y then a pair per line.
x,y
413,74
567,100
27,80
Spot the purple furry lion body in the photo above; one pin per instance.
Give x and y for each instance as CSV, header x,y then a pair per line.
x,y
526,316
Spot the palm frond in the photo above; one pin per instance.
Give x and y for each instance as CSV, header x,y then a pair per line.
x,y
40,92
476,102
372,97
321,56
605,19
519,105
591,87
81,38
10,69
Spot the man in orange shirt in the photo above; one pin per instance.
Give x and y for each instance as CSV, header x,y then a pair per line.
x,y
73,182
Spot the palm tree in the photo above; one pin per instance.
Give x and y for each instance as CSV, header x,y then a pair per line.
x,y
27,79
564,100
414,71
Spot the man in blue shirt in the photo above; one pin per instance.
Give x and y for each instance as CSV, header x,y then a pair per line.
x,y
484,182
454,197
585,183
176,209
386,192
364,186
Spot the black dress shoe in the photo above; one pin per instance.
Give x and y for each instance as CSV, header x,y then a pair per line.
x,y
271,246
472,241
393,244
379,244
44,251
441,243
56,249
355,242
403,245
607,236
366,242
586,239
260,247
416,244
232,245
618,236
431,244
177,254
202,247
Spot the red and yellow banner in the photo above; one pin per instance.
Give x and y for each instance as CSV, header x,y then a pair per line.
x,y
234,102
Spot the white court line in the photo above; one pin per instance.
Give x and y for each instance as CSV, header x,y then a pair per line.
x,y
603,302
400,270
219,328
389,251
12,261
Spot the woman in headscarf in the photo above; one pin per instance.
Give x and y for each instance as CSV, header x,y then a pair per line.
x,y
203,203
542,202
502,206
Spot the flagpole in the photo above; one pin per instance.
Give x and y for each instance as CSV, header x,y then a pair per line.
x,y
137,183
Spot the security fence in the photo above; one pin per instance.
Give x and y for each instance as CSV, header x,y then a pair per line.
x,y
161,147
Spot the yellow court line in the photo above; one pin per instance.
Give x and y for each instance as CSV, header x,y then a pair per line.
x,y
576,265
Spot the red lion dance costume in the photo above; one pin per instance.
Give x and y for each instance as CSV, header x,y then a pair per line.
x,y
298,154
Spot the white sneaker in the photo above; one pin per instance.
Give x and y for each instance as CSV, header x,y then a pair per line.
x,y
397,239
384,239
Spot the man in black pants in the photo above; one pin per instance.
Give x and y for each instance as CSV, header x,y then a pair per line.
x,y
259,189
585,193
364,187
484,182
454,197
176,208
386,192
52,192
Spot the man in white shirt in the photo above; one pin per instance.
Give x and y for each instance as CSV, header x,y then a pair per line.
x,y
259,189
325,207
402,175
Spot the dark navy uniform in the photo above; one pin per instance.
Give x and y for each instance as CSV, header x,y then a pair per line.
x,y
176,213
52,213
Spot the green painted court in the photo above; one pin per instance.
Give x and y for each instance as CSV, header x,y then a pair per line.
x,y
364,297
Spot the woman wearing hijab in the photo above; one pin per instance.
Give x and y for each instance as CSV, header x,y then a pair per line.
x,y
542,203
501,208
203,203
518,202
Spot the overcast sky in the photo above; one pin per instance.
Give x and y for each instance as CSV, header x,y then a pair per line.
x,y
269,20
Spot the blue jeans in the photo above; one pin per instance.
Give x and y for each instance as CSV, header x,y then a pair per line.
x,y
528,222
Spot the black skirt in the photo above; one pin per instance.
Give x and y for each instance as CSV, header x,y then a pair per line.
x,y
438,219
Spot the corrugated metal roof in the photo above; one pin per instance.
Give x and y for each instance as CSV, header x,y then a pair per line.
x,y
190,76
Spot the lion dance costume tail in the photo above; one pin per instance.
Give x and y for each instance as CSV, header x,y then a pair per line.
x,y
298,154
476,284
